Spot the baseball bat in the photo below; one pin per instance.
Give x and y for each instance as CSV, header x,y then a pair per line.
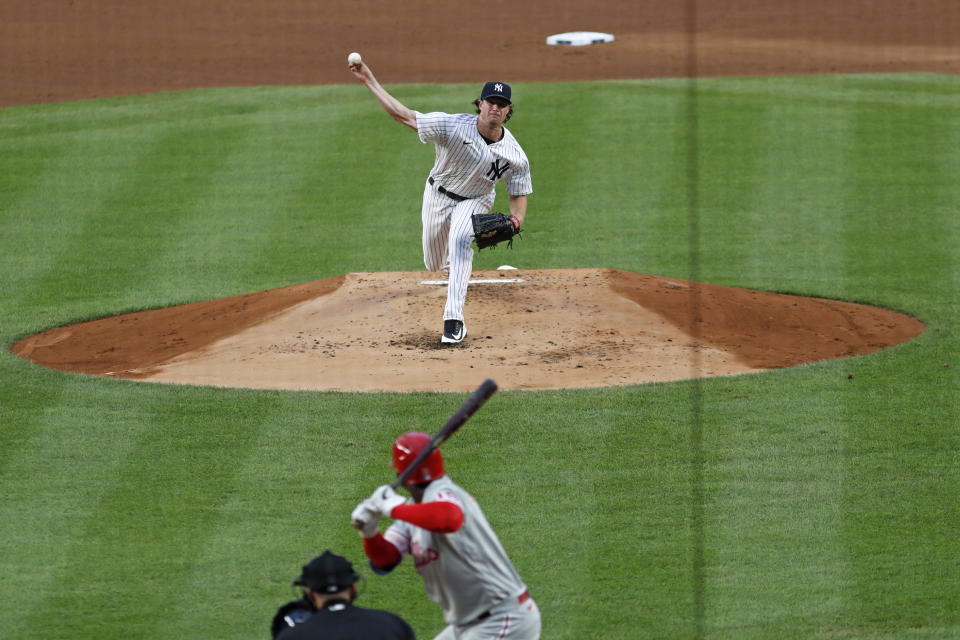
x,y
457,420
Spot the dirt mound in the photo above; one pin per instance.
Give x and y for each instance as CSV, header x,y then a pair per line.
x,y
528,329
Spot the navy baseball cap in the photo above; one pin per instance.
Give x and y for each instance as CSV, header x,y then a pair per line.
x,y
327,573
496,90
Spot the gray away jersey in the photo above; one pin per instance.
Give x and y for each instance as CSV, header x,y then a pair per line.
x,y
466,572
466,164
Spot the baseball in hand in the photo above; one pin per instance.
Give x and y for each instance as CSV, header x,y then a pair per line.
x,y
354,58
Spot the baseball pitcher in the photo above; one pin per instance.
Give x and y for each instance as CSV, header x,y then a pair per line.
x,y
473,153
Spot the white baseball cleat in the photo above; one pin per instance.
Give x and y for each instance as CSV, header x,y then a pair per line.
x,y
454,331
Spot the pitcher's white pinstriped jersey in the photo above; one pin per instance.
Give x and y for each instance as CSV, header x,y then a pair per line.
x,y
466,572
468,169
466,164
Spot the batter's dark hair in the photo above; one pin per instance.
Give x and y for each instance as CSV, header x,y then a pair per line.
x,y
476,103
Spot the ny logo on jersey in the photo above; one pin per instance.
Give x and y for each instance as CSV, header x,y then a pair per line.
x,y
496,171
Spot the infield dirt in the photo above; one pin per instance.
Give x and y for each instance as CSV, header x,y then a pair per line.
x,y
556,329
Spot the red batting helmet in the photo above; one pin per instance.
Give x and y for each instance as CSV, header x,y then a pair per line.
x,y
407,447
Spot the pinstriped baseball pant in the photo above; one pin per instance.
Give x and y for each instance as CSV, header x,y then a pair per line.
x,y
447,234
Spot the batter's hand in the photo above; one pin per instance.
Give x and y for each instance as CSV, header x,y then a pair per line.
x,y
366,519
385,499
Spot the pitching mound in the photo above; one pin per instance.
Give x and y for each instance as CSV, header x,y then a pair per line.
x,y
527,329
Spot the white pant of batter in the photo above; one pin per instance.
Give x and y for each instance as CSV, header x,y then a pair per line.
x,y
447,234
511,621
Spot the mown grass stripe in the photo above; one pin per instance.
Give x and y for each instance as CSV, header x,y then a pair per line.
x,y
60,181
659,206
784,193
929,91
140,535
901,469
173,188
758,154
947,211
642,515
769,474
902,166
731,173
136,212
59,463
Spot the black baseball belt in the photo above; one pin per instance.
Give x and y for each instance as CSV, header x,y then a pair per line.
x,y
523,597
449,194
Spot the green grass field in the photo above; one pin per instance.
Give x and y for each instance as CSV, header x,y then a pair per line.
x,y
814,502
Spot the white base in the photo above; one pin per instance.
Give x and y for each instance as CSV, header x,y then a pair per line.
x,y
580,38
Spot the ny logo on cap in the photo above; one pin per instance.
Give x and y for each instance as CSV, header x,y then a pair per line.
x,y
494,88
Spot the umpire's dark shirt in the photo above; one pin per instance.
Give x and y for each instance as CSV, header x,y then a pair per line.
x,y
339,620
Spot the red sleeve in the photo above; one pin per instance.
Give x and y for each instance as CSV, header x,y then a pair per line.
x,y
382,554
439,516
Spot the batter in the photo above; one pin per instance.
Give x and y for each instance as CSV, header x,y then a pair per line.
x,y
473,153
464,567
